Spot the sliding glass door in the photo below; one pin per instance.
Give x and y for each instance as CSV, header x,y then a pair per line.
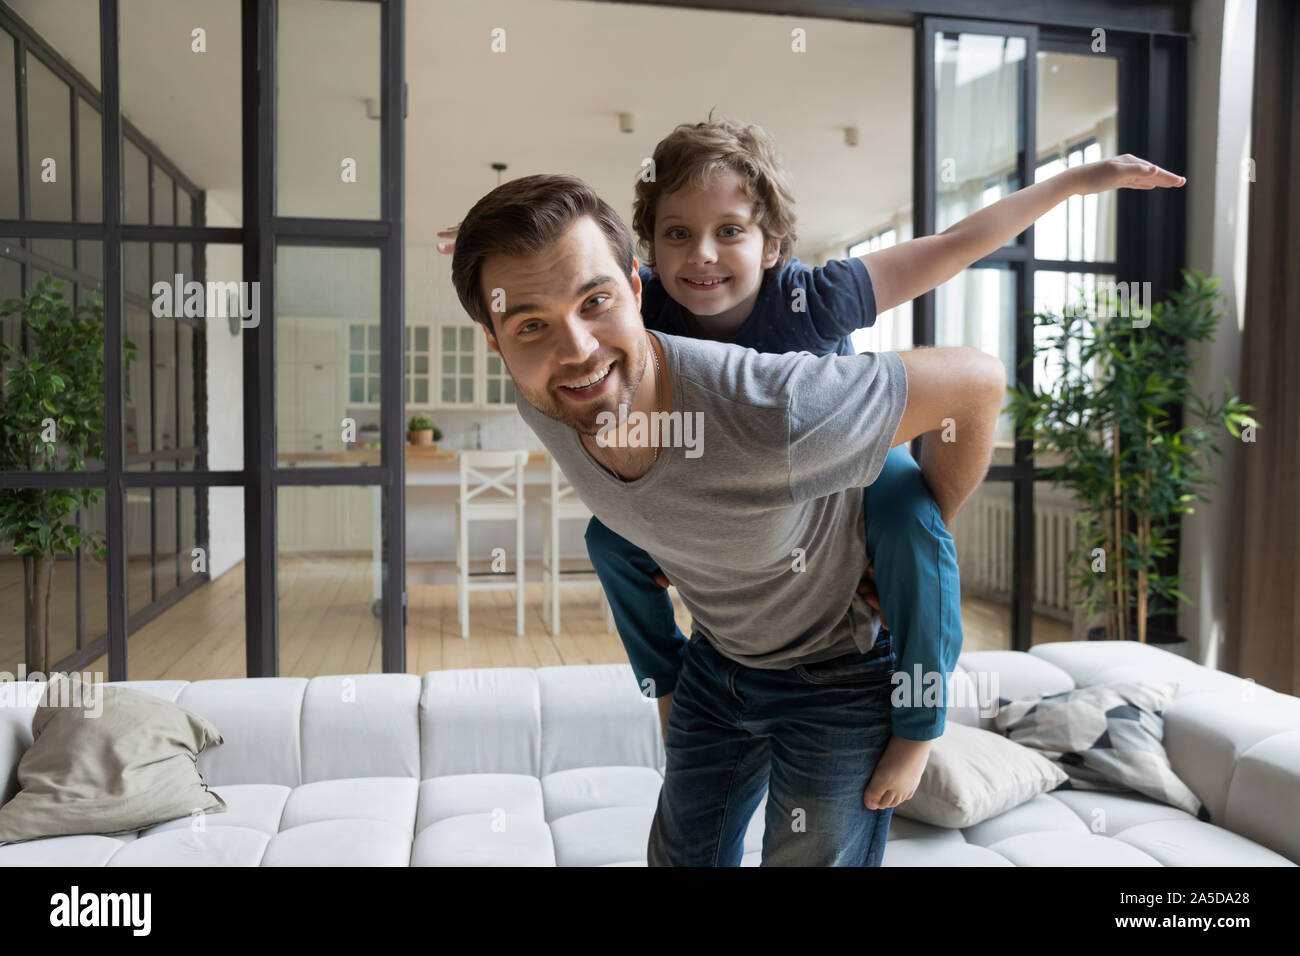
x,y
1001,106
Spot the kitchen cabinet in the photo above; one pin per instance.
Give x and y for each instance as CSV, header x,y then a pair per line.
x,y
447,365
471,374
328,518
309,387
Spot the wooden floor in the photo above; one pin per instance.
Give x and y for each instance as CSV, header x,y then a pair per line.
x,y
327,627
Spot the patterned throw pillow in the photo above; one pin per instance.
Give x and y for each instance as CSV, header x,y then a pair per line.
x,y
1106,737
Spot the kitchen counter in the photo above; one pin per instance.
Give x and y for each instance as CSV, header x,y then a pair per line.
x,y
425,465
432,481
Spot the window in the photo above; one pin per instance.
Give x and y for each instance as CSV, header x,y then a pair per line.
x,y
893,328
1070,230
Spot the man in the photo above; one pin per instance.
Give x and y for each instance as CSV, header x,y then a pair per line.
x,y
759,525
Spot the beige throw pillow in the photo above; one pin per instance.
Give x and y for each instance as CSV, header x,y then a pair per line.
x,y
975,774
107,764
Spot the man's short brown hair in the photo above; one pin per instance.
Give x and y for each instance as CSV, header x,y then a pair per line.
x,y
693,153
521,217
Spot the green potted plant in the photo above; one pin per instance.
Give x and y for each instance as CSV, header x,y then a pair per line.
x,y
422,431
51,419
1104,404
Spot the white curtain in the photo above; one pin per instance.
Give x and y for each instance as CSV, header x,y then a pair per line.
x,y
1104,131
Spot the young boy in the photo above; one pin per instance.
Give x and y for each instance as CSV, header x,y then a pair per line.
x,y
717,224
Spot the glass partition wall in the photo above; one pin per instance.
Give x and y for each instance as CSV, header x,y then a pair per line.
x,y
230,241
51,180
149,164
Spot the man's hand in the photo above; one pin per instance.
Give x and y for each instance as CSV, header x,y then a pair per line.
x,y
870,593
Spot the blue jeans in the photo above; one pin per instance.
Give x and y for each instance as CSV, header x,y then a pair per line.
x,y
810,735
915,563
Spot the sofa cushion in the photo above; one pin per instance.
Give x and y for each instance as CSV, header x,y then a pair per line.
x,y
1090,663
340,842
484,839
212,846
626,733
480,721
975,774
597,788
605,835
1240,751
107,760
261,718
361,725
459,795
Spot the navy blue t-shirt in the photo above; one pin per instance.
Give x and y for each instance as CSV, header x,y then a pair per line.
x,y
836,299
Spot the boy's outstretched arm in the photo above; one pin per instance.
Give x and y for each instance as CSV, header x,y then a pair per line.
x,y
956,392
909,269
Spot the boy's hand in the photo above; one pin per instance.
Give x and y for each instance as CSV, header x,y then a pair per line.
x,y
897,773
870,593
1124,172
660,578
665,711
449,233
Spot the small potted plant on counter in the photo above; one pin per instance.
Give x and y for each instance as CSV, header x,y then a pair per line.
x,y
422,431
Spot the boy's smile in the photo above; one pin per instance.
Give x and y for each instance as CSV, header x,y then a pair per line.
x,y
710,253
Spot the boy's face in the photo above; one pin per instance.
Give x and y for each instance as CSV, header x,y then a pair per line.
x,y
709,252
571,316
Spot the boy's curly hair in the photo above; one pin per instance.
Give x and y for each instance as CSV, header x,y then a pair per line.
x,y
690,156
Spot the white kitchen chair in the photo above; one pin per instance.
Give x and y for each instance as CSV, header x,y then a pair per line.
x,y
488,494
563,504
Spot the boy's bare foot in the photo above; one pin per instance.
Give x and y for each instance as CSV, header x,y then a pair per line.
x,y
897,773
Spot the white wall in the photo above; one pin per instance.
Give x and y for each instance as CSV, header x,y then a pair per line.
x,y
1221,67
225,384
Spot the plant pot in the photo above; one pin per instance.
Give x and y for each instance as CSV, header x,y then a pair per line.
x,y
422,437
1169,641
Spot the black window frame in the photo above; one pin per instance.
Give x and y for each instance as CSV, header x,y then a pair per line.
x,y
162,593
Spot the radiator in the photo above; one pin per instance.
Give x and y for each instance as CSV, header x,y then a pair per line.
x,y
983,535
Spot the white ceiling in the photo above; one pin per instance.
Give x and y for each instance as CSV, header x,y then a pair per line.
x,y
549,103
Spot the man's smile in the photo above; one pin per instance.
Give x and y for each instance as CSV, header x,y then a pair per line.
x,y
591,385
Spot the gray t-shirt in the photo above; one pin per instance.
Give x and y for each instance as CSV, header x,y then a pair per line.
x,y
780,448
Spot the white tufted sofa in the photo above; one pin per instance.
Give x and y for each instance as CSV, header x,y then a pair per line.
x,y
561,766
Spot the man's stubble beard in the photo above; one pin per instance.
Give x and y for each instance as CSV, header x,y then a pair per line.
x,y
586,423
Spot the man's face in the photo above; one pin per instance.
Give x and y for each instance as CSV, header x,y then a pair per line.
x,y
709,252
571,333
